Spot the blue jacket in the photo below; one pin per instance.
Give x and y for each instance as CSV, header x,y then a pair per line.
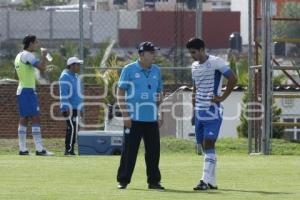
x,y
70,91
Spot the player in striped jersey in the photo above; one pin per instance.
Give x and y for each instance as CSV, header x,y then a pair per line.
x,y
207,73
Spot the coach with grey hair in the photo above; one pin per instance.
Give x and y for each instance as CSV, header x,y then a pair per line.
x,y
139,86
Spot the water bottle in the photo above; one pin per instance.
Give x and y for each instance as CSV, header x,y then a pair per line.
x,y
49,57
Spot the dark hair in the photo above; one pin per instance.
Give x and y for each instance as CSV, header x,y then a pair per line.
x,y
195,43
27,40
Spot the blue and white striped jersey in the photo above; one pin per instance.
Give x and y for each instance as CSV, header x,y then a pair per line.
x,y
207,78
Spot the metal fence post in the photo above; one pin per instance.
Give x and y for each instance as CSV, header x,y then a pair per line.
x,y
81,36
199,18
7,25
51,26
267,86
91,25
81,46
250,76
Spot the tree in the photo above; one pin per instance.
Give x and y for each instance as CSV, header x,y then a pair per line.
x,y
289,29
37,4
242,129
240,68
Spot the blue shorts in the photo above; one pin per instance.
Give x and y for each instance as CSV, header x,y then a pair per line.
x,y
28,103
208,123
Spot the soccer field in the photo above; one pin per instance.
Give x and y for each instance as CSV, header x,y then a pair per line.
x,y
88,178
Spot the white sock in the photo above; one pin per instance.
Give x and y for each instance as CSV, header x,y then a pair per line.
x,y
209,168
213,175
22,137
37,137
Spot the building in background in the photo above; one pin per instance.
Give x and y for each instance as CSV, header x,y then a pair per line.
x,y
158,5
242,7
219,5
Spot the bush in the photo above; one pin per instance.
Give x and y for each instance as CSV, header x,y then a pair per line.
x,y
242,129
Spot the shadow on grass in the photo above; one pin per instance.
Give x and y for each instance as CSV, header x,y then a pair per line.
x,y
219,191
253,191
178,191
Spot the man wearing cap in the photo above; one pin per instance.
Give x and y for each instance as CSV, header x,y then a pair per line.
x,y
139,93
25,64
70,101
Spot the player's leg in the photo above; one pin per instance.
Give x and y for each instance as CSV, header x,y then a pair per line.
x,y
22,129
131,142
211,132
36,133
23,122
152,154
76,124
34,108
33,104
199,133
37,137
212,120
71,133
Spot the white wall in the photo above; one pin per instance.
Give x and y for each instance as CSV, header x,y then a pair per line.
x,y
231,116
242,7
3,25
293,110
66,25
165,5
27,22
100,25
129,19
105,26
184,126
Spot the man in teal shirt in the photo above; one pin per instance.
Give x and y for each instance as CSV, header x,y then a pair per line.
x,y
28,104
139,94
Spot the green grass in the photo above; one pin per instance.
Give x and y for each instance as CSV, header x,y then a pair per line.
x,y
239,177
224,146
94,178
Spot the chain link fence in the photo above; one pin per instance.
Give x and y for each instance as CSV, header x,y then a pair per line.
x,y
58,28
107,38
110,30
169,24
